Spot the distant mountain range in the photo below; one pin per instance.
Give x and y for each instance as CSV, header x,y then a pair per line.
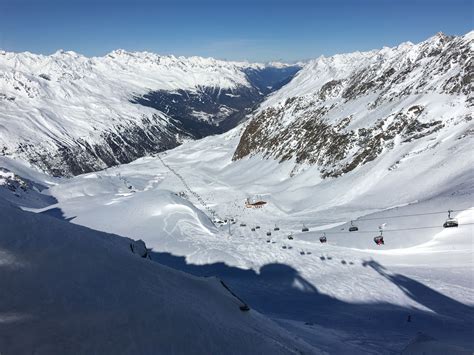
x,y
69,114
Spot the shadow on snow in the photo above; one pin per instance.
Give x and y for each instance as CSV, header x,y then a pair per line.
x,y
279,291
57,213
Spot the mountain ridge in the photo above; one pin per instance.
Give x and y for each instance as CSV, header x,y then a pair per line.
x,y
344,111
69,114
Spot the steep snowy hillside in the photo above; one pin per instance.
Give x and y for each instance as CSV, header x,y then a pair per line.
x,y
69,114
69,289
344,111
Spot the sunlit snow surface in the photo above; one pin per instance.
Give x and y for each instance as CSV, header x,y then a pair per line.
x,y
347,295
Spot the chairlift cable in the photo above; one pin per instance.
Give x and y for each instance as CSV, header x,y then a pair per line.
x,y
395,230
412,215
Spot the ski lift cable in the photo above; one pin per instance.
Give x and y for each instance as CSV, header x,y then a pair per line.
x,y
183,181
412,215
396,230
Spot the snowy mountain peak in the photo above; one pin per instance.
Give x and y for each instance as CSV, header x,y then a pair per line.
x,y
469,36
65,53
343,111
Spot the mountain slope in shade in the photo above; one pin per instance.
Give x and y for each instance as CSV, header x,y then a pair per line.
x,y
343,111
69,114
75,290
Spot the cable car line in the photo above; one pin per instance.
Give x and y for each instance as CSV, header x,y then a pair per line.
x,y
393,230
412,215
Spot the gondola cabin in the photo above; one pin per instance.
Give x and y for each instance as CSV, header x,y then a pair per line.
x,y
353,227
217,221
451,222
379,240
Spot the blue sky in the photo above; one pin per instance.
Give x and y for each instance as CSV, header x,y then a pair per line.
x,y
258,30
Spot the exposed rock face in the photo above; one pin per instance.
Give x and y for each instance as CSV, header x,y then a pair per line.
x,y
11,181
139,247
22,191
69,114
344,111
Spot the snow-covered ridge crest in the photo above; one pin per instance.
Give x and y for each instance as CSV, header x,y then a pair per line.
x,y
322,69
124,55
162,72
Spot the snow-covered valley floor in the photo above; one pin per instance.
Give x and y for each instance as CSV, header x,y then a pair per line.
x,y
345,296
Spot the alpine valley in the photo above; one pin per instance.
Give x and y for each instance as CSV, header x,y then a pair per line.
x,y
155,204
69,114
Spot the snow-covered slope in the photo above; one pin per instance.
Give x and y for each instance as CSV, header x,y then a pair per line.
x,y
70,114
68,289
344,111
348,295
